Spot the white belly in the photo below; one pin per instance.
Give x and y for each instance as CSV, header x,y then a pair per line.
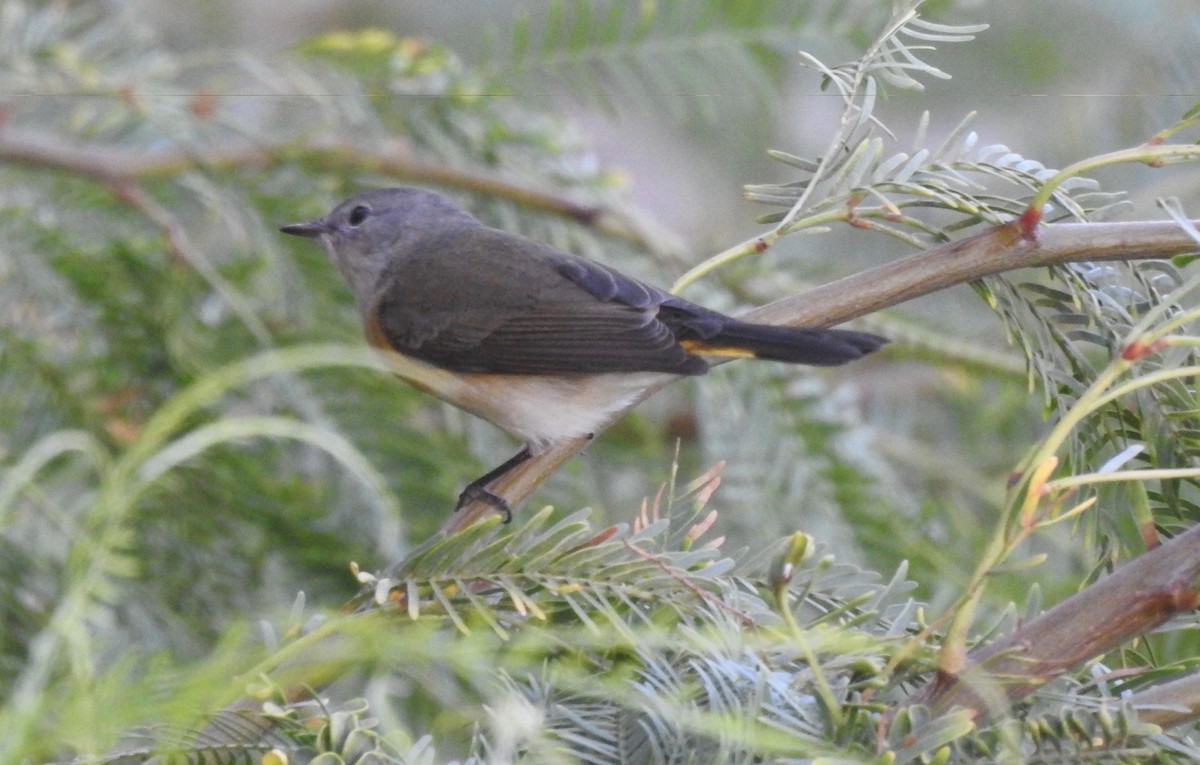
x,y
541,411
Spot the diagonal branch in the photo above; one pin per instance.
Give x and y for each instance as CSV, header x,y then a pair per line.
x,y
992,252
1133,600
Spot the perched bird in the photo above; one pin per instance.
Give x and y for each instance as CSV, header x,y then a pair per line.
x,y
544,344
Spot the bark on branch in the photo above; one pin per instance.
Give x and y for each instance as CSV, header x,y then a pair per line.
x,y
1133,600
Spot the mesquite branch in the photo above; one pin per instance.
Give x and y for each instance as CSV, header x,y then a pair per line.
x,y
1133,600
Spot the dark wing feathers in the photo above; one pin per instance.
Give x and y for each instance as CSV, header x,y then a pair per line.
x,y
492,302
605,284
700,330
476,299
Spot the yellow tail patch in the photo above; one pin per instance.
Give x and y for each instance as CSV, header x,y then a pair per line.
x,y
730,351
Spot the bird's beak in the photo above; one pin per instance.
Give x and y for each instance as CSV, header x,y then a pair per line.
x,y
311,229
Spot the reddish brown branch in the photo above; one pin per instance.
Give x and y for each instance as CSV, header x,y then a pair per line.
x,y
1135,599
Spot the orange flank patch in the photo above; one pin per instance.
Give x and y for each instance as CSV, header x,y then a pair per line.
x,y
375,335
376,338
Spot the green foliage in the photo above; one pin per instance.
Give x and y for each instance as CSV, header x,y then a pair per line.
x,y
674,55
178,459
1086,316
663,649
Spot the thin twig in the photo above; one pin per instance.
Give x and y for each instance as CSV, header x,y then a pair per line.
x,y
745,618
117,168
180,246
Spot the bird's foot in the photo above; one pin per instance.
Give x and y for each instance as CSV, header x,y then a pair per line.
x,y
476,492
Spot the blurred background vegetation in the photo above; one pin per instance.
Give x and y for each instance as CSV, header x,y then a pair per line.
x,y
151,148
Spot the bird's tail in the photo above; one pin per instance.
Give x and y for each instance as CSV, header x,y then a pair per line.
x,y
794,345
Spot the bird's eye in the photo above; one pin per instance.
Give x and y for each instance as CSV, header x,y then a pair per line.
x,y
359,214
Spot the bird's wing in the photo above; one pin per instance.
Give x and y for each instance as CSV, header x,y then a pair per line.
x,y
485,301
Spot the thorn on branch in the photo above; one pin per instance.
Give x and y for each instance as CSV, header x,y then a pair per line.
x,y
1029,221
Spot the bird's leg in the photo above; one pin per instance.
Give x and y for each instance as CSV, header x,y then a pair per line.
x,y
478,489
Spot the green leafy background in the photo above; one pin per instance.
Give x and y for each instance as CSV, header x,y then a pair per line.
x,y
145,294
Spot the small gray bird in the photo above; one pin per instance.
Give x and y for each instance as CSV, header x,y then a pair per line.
x,y
544,344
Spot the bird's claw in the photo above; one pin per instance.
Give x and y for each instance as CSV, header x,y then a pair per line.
x,y
474,493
